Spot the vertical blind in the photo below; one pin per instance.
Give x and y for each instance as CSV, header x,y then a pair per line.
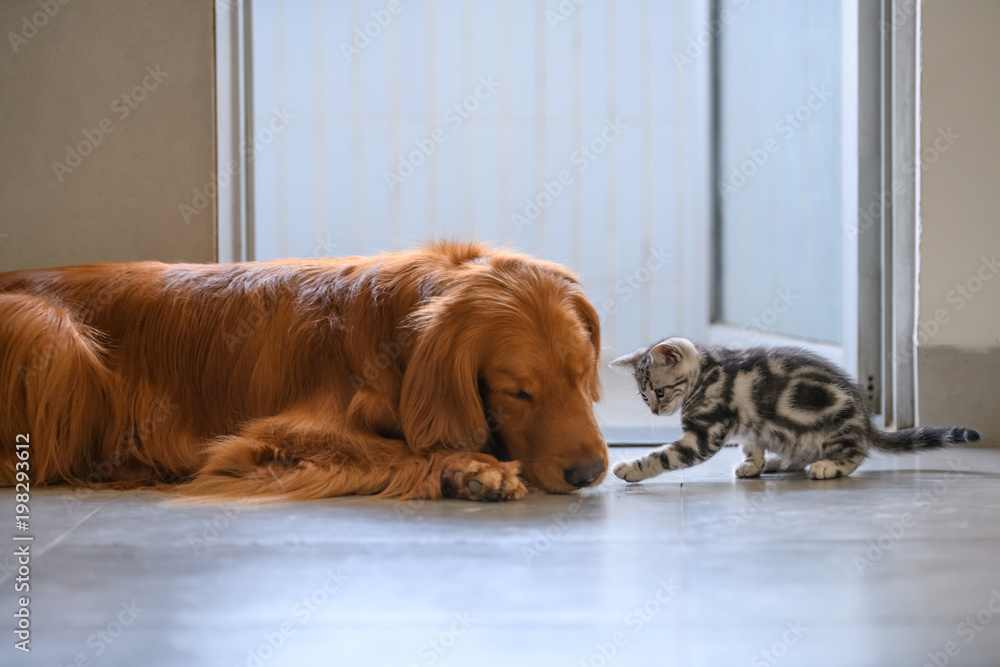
x,y
574,132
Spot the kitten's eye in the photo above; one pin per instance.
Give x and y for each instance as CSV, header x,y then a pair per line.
x,y
524,396
644,398
659,393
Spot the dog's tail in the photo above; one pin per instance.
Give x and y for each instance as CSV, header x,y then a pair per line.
x,y
913,439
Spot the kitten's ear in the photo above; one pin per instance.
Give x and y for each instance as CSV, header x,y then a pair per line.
x,y
667,354
628,361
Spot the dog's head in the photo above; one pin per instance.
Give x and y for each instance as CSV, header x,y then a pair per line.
x,y
507,362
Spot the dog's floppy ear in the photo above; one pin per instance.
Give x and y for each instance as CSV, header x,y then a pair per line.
x,y
592,322
440,404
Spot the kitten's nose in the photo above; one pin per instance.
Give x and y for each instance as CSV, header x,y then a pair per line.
x,y
584,475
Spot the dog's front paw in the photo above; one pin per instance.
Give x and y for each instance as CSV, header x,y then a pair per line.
x,y
473,476
631,471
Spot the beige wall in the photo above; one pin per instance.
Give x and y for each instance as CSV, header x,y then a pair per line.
x,y
960,181
62,85
958,354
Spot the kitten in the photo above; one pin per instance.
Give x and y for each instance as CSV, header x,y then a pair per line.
x,y
786,401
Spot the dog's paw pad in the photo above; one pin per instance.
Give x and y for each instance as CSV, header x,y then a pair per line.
x,y
477,477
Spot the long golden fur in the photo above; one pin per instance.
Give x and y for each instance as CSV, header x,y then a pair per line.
x,y
451,370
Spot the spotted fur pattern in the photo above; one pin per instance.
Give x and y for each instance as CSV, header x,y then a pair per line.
x,y
787,402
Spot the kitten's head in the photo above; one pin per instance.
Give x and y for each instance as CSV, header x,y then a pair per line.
x,y
664,372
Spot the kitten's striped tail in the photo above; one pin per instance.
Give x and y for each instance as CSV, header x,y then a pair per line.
x,y
912,439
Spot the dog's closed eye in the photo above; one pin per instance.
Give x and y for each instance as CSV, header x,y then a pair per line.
x,y
523,396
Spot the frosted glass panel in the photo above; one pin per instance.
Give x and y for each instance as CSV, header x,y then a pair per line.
x,y
456,119
779,181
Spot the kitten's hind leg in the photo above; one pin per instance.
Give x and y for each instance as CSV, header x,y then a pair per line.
x,y
843,457
774,463
753,464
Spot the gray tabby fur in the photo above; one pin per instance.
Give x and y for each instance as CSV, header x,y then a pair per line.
x,y
785,401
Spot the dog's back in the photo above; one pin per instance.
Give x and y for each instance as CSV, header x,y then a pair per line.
x,y
97,360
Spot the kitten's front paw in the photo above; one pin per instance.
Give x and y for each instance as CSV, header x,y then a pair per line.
x,y
828,470
748,469
630,471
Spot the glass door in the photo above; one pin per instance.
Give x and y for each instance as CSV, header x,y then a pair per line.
x,y
782,119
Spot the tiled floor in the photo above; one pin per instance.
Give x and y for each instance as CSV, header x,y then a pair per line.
x,y
895,565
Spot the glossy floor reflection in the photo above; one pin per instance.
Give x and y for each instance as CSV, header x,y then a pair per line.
x,y
897,565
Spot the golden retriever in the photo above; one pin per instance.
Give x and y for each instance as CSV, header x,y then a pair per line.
x,y
452,370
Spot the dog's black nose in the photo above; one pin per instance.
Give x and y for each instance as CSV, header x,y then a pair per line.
x,y
584,475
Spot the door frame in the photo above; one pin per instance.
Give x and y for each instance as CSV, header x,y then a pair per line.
x,y
900,29
879,149
234,131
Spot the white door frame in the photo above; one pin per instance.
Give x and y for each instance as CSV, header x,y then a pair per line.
x,y
886,221
900,31
234,114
